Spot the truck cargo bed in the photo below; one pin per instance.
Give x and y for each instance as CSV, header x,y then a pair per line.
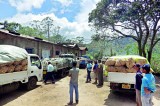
x,y
118,77
13,77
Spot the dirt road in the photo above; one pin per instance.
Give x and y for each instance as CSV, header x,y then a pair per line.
x,y
58,95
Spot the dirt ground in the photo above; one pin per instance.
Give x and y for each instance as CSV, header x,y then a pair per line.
x,y
58,95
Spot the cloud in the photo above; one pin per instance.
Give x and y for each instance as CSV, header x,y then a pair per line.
x,y
64,3
67,29
79,27
26,5
86,7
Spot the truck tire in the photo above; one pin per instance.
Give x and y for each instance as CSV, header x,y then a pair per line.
x,y
32,83
62,73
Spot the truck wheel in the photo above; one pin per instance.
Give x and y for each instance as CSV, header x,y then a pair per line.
x,y
62,74
31,83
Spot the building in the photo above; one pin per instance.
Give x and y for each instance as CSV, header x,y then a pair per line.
x,y
43,48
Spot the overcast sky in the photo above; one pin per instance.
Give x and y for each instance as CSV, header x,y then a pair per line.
x,y
70,15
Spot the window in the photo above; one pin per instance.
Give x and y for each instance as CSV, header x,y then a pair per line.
x,y
36,62
30,50
57,52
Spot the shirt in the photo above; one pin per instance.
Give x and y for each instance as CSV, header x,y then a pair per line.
x,y
89,66
74,75
100,67
138,81
148,81
50,68
95,66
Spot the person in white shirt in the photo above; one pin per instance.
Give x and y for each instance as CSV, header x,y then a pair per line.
x,y
49,74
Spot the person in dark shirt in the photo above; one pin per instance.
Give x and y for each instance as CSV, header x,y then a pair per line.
x,y
138,82
95,71
100,73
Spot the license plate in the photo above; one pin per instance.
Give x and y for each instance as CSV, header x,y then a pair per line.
x,y
44,72
126,86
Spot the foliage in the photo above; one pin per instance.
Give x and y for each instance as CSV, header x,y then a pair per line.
x,y
156,59
57,39
129,18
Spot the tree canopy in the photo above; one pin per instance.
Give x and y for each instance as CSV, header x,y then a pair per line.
x,y
137,19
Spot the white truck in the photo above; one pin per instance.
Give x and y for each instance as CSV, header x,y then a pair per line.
x,y
10,81
121,73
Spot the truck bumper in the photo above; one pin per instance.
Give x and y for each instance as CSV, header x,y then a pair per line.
x,y
119,87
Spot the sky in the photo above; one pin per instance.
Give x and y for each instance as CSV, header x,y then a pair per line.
x,y
70,15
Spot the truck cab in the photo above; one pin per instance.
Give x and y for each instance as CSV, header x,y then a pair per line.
x,y
27,78
35,67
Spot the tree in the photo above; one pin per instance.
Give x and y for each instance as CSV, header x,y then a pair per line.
x,y
47,26
80,39
137,19
57,38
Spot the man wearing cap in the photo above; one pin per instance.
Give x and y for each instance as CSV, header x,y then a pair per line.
x,y
138,83
148,86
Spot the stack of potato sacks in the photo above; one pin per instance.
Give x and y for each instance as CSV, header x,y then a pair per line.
x,y
124,64
12,59
59,63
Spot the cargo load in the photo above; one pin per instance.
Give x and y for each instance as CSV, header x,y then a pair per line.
x,y
58,63
124,64
12,59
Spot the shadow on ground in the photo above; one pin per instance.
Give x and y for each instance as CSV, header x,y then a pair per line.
x,y
8,97
120,99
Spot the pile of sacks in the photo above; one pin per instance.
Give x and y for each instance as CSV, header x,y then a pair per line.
x,y
58,63
12,59
124,63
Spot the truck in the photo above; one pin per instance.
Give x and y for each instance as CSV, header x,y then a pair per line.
x,y
26,77
122,75
62,64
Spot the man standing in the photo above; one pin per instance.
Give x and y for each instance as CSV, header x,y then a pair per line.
x,y
100,73
95,71
148,86
49,74
138,83
89,68
73,73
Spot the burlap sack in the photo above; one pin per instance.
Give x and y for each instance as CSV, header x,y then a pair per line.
x,y
120,62
18,68
131,70
130,63
110,62
24,62
16,63
141,61
11,68
3,69
24,68
121,69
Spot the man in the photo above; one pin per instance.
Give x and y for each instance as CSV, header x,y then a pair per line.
x,y
138,83
100,73
105,71
148,86
78,61
73,73
95,71
89,68
49,74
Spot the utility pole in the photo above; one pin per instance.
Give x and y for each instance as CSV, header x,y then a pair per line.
x,y
48,29
47,24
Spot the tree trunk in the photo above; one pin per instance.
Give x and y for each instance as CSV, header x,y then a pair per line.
x,y
139,48
143,51
149,55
